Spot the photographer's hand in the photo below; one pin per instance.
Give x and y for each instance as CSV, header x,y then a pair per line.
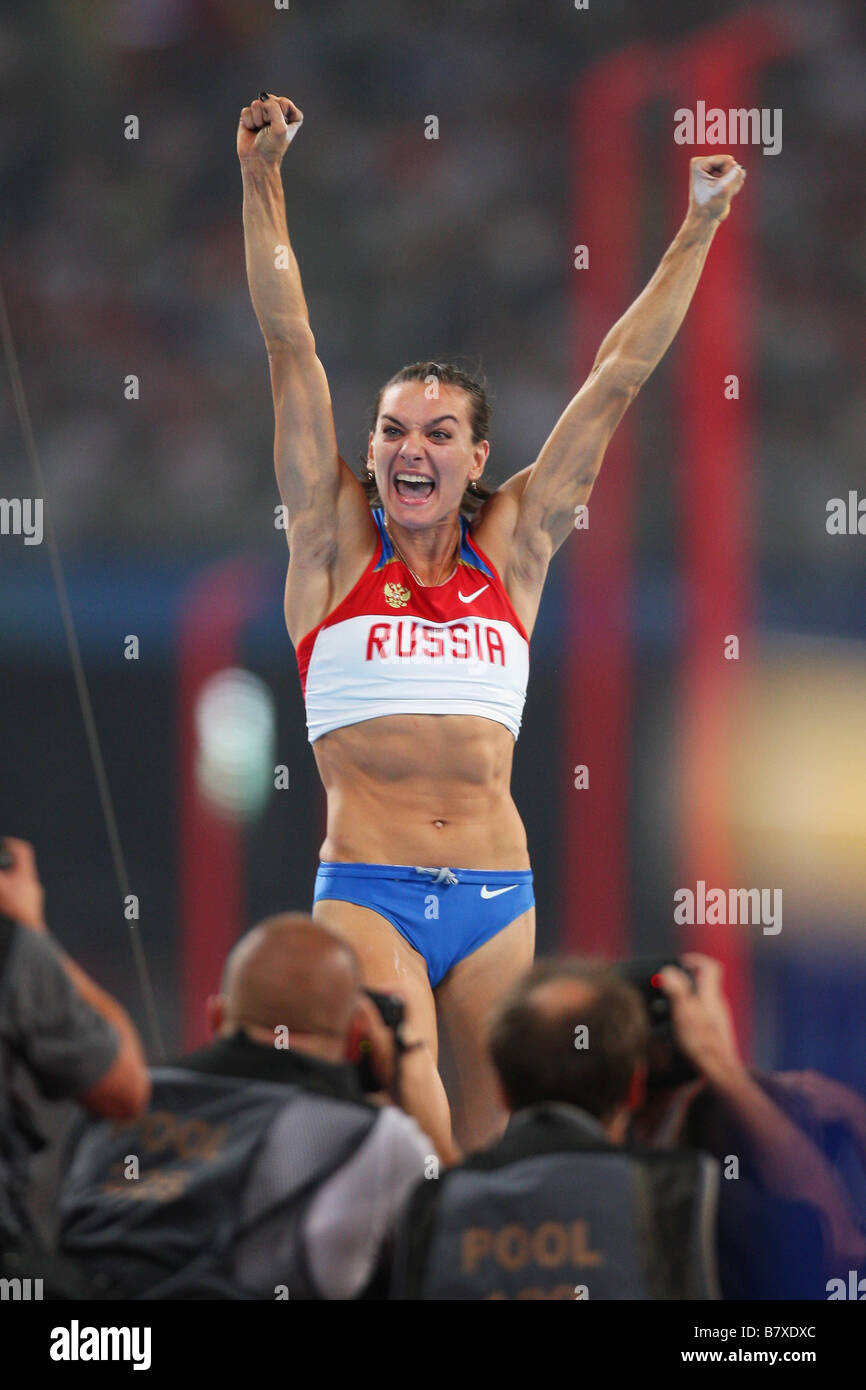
x,y
22,896
701,1017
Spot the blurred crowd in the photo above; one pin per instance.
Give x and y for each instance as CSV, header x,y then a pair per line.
x,y
642,1157
124,257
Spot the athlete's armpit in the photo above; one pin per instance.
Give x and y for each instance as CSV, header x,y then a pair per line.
x,y
564,474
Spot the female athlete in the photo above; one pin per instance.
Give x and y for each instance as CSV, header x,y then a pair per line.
x,y
411,622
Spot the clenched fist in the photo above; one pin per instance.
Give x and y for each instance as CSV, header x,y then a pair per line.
x,y
715,180
267,127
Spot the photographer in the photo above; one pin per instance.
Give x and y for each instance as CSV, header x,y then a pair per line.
x,y
560,1207
57,1027
262,1170
785,1223
571,1203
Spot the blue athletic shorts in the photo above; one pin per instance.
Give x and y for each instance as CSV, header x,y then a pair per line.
x,y
446,914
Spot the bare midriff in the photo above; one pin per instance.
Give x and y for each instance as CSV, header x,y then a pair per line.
x,y
431,789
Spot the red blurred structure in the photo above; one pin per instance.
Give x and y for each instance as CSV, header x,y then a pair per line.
x,y
720,65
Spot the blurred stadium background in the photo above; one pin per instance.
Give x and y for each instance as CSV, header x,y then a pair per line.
x,y
124,257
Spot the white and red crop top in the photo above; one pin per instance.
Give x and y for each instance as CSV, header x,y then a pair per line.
x,y
394,646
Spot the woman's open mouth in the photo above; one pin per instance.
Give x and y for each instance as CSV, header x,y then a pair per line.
x,y
413,487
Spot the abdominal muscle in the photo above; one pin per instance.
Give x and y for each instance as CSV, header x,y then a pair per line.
x,y
426,789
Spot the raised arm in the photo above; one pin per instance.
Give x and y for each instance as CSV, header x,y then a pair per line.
x,y
317,488
305,446
542,498
265,131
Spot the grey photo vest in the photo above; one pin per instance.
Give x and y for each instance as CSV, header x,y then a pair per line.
x,y
153,1208
554,1211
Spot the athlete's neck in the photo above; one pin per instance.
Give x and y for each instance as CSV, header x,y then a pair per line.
x,y
431,553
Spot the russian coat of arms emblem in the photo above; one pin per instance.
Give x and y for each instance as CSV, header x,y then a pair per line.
x,y
397,595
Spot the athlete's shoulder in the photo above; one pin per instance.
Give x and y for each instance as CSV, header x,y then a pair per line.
x,y
492,528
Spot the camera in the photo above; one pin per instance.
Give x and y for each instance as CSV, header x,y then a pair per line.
x,y
668,1066
392,1009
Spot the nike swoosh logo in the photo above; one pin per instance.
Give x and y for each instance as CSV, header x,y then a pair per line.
x,y
494,892
467,598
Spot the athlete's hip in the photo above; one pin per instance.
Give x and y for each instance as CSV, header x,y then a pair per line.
x,y
443,875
